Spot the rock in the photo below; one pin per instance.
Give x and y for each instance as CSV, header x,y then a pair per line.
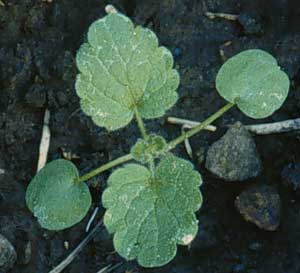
x,y
8,255
260,204
234,156
291,176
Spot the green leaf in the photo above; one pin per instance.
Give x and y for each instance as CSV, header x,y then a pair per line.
x,y
56,198
253,80
123,68
150,215
150,148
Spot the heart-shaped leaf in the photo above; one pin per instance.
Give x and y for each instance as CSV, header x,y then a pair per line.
x,y
150,213
123,68
149,148
55,196
253,80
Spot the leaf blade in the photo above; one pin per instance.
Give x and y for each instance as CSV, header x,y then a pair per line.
x,y
125,65
55,198
253,80
149,217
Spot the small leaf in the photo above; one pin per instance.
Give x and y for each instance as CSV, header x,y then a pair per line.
x,y
253,80
150,215
123,68
55,198
150,148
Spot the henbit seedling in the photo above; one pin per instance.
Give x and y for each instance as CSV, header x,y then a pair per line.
x,y
150,205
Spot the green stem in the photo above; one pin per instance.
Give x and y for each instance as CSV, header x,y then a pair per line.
x,y
140,123
105,167
142,128
171,144
199,127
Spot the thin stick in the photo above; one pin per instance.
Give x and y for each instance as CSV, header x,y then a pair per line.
x,y
45,142
227,16
2,4
189,123
187,144
59,268
91,219
258,129
109,268
275,127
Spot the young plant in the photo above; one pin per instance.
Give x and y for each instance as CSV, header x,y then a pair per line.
x,y
150,205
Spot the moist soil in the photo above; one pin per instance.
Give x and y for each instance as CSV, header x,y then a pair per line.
x,y
38,44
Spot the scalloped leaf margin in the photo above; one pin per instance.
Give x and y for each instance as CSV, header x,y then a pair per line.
x,y
149,215
122,67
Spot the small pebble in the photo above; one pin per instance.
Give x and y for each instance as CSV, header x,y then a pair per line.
x,y
8,255
234,156
260,205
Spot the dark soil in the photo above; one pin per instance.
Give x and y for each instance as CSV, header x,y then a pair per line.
x,y
38,42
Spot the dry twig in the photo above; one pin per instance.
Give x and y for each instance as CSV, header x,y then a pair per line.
x,y
189,123
45,142
226,16
187,144
258,129
59,268
275,127
91,219
109,268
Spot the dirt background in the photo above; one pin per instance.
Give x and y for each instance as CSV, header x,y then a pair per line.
x,y
38,42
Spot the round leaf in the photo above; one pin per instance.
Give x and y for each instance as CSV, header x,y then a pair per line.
x,y
123,68
149,214
55,198
253,80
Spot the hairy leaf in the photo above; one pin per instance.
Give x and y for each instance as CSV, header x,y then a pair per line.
x,y
147,149
55,198
253,80
123,68
149,214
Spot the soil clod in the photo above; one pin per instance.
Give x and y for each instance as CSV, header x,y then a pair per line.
x,y
260,205
234,156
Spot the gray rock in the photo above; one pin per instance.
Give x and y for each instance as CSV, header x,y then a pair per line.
x,y
260,204
234,156
8,255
